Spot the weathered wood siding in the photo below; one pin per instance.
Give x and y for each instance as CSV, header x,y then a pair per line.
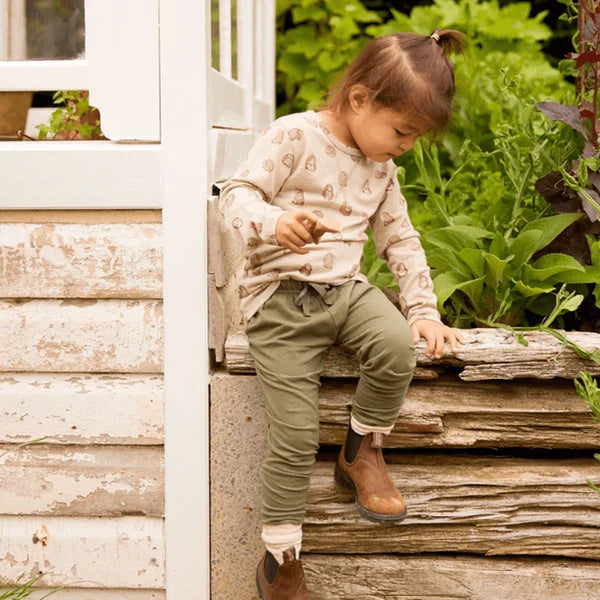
x,y
81,367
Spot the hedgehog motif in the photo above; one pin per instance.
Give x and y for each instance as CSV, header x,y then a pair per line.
x,y
423,282
343,178
242,291
256,271
390,186
245,173
356,159
323,127
393,240
229,199
328,261
330,150
387,218
274,274
328,192
319,213
278,137
401,270
311,163
346,209
237,222
268,165
415,246
366,188
298,197
288,160
253,242
306,269
255,260
337,236
404,223
256,226
295,134
380,174
353,271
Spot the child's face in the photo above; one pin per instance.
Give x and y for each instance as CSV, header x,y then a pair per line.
x,y
381,132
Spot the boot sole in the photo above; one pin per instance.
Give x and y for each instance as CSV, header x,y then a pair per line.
x,y
258,586
347,485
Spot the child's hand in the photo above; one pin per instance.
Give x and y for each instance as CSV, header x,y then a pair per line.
x,y
295,229
435,333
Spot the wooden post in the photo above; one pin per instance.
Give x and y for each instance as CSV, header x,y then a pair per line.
x,y
185,44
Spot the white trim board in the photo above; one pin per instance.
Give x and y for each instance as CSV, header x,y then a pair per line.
x,y
79,175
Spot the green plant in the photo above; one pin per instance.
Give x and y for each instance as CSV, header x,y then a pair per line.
x,y
20,590
74,119
588,389
316,40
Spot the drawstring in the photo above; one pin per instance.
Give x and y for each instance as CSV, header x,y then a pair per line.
x,y
304,297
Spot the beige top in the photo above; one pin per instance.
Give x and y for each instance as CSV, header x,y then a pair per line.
x,y
297,164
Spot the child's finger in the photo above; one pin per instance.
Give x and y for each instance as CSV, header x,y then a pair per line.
x,y
294,248
300,230
415,333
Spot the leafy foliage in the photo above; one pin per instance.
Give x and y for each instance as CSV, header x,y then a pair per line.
x,y
487,232
320,40
74,119
588,389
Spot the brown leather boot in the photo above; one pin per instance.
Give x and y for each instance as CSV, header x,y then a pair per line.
x,y
376,497
289,583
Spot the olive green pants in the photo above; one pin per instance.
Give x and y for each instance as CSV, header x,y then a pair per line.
x,y
288,338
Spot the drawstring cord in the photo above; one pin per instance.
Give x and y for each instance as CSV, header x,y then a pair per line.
x,y
304,297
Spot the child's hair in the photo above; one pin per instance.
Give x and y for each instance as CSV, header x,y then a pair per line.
x,y
406,72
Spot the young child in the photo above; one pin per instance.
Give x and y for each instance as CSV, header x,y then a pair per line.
x,y
301,202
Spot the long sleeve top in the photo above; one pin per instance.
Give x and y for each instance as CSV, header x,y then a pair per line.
x,y
298,164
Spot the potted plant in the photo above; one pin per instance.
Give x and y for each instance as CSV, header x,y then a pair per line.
x,y
14,107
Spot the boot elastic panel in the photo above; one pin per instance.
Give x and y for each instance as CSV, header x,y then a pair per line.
x,y
353,442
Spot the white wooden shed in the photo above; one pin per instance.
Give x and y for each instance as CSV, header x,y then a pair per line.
x,y
114,501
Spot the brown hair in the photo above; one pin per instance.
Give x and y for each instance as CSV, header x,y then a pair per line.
x,y
405,72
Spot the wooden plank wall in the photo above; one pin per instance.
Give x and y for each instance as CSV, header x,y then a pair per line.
x,y
81,366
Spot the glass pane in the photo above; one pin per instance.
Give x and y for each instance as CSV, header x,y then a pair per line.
x,y
46,29
234,40
214,38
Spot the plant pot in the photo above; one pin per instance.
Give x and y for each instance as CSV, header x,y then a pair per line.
x,y
13,113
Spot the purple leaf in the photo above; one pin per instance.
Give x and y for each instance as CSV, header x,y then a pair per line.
x,y
591,56
563,112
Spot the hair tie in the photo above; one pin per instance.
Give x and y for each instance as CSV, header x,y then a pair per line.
x,y
435,36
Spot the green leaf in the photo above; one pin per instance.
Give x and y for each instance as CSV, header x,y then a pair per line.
x,y
551,227
524,246
529,291
445,285
553,264
496,268
475,259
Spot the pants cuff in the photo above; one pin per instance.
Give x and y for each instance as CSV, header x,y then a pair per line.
x,y
280,537
361,429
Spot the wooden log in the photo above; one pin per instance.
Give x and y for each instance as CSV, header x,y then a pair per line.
x,y
80,408
81,336
425,577
498,350
339,362
81,481
449,413
466,504
111,552
58,260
